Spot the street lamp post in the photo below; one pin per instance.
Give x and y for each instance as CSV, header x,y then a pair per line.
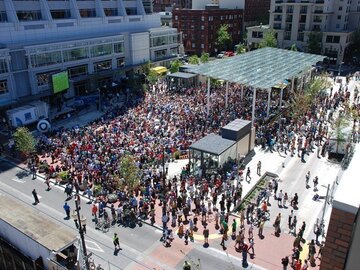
x,y
81,232
163,182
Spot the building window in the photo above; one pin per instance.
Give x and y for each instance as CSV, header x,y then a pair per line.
x,y
45,59
78,71
29,15
332,39
99,50
110,12
339,17
3,87
44,78
160,54
337,26
202,46
131,11
173,51
60,14
192,45
3,16
202,27
75,54
87,13
287,35
202,18
176,18
120,62
103,65
340,8
3,66
119,47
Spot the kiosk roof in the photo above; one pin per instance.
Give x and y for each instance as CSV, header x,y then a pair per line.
x,y
261,68
213,144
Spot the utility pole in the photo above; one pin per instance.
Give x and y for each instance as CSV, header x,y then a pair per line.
x,y
163,183
81,232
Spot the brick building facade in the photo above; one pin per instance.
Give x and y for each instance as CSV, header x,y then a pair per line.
x,y
256,12
199,28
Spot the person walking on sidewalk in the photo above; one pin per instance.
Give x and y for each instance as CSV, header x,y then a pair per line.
x,y
285,262
277,225
258,168
47,182
36,198
307,179
33,171
316,182
67,210
116,242
280,198
290,218
206,236
248,174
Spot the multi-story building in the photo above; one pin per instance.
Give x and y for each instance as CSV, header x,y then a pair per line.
x,y
334,21
95,41
168,5
199,27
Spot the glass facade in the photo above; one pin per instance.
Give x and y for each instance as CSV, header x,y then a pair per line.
x,y
3,87
99,50
67,52
78,71
3,66
75,54
45,59
103,65
29,15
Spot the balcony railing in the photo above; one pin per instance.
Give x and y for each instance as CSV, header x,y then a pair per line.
x,y
317,20
277,26
289,19
289,10
318,11
278,10
277,19
319,1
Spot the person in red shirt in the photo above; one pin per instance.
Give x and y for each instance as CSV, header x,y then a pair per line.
x,y
298,265
94,210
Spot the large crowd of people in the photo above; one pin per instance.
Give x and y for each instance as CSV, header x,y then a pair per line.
x,y
167,121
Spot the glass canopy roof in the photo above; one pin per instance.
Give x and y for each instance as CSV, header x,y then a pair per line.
x,y
261,68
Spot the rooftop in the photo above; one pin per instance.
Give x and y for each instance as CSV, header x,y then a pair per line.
x,y
347,194
36,226
237,124
263,68
181,75
213,144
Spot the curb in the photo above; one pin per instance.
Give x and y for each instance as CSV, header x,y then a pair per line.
x,y
55,183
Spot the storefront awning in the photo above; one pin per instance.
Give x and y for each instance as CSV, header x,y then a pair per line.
x,y
160,70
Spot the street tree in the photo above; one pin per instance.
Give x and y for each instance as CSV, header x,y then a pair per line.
x,y
204,58
293,48
314,43
194,60
175,66
129,173
302,101
240,48
24,140
269,40
152,77
223,39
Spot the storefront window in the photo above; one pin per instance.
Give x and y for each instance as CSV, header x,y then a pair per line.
x,y
75,54
104,65
99,50
45,59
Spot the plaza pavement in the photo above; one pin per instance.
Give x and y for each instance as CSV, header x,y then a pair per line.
x,y
268,251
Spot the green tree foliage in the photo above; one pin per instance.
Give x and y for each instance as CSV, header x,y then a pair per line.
x,y
194,60
175,66
293,48
129,172
223,39
302,101
152,77
314,43
24,140
269,40
241,48
204,58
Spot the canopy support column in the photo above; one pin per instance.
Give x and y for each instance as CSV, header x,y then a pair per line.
x,y
227,94
242,92
208,96
281,96
253,107
292,84
268,103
